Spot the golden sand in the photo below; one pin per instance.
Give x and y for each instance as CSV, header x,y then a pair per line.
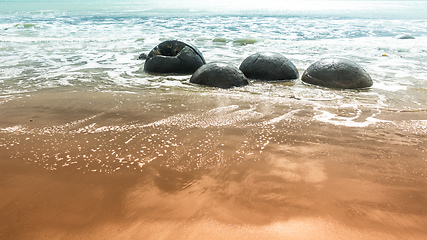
x,y
86,165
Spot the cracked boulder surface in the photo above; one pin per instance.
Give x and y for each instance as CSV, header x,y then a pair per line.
x,y
269,66
337,73
174,56
221,75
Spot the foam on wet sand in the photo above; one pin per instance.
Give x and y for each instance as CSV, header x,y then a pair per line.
x,y
97,165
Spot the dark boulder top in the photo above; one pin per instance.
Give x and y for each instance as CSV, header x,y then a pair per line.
x,y
221,75
269,66
174,56
142,56
337,73
405,36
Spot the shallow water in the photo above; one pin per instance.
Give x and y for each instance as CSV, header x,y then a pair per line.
x,y
93,147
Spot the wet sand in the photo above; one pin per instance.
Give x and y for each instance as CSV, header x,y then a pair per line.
x,y
184,165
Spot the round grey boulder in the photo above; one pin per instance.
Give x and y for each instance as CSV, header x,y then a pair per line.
x,y
337,73
405,36
174,56
220,75
269,66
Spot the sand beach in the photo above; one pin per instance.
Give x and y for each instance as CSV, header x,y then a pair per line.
x,y
94,147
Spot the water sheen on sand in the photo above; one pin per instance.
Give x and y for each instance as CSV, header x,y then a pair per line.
x,y
93,147
209,166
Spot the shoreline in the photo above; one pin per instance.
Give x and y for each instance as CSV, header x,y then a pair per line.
x,y
94,147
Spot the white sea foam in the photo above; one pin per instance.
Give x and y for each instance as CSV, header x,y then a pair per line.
x,y
348,121
95,47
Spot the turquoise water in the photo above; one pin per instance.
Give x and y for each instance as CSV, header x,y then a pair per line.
x,y
92,146
319,8
94,45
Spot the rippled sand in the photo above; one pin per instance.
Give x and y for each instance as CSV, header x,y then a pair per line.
x,y
208,165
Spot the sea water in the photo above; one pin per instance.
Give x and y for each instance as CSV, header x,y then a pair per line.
x,y
94,45
272,157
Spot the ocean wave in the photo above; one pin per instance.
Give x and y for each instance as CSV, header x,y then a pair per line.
x,y
98,52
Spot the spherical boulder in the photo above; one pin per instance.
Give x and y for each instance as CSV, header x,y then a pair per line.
x,y
405,36
269,66
220,75
174,56
337,73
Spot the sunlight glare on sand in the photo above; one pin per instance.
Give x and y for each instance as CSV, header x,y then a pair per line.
x,y
94,147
